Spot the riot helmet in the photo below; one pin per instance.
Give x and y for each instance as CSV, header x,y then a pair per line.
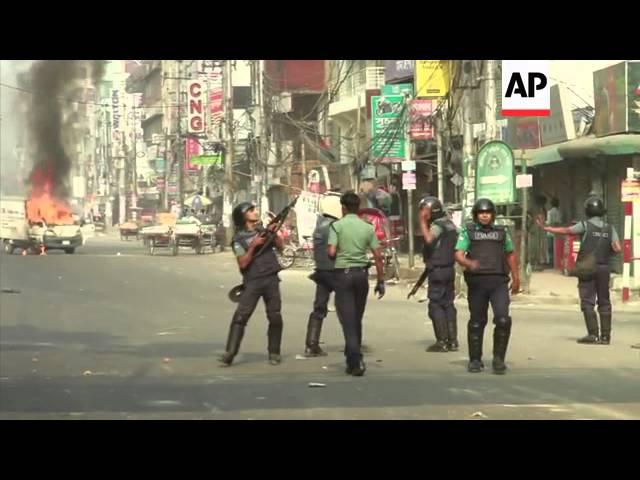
x,y
483,205
239,212
437,210
594,207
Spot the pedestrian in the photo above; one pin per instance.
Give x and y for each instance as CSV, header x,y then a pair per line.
x,y
259,266
554,219
349,240
486,251
440,235
330,211
600,240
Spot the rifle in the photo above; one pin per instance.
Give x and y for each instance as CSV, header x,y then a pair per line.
x,y
419,283
237,291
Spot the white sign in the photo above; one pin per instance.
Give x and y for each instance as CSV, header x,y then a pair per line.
x,y
157,138
408,165
525,88
524,181
307,210
196,102
409,181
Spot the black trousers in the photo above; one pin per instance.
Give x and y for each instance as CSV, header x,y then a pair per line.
x,y
351,290
442,294
324,286
596,289
267,288
484,290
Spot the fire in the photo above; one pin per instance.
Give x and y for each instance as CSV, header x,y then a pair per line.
x,y
42,205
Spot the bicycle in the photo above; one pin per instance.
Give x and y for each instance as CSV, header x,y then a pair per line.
x,y
298,255
390,260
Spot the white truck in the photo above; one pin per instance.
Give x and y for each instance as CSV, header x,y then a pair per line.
x,y
16,231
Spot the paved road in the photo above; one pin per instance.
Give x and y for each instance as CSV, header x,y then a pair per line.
x,y
102,335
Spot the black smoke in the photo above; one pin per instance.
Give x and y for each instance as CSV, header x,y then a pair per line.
x,y
52,83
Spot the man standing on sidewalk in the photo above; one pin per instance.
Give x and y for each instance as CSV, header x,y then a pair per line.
x,y
440,235
330,211
554,219
486,251
601,240
349,241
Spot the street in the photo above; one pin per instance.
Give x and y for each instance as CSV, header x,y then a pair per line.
x,y
114,333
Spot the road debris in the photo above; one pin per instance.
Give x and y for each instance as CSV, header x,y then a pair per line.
x,y
35,360
87,373
10,290
162,334
261,398
166,360
317,385
301,357
324,367
478,415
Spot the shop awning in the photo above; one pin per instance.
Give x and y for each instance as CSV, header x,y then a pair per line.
x,y
538,156
591,146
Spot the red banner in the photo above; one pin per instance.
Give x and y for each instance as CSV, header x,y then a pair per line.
x,y
421,126
191,149
216,107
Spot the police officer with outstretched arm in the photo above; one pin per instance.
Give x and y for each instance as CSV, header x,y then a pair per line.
x,y
440,235
486,251
349,241
600,239
259,266
330,211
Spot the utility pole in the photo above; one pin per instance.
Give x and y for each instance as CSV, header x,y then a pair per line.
x,y
491,101
303,161
469,169
228,155
407,157
179,153
440,164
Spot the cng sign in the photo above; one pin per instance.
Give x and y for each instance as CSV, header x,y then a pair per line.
x,y
195,98
525,88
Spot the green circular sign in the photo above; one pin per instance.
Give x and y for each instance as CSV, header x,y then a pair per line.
x,y
495,177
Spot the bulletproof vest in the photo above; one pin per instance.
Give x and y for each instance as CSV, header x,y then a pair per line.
x,y
441,253
487,246
266,263
321,242
598,240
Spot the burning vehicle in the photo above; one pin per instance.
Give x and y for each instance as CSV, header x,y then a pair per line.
x,y
42,223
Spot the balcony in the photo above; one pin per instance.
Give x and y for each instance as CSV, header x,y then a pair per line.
x,y
354,88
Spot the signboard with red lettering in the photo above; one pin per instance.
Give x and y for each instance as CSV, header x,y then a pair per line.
x,y
195,105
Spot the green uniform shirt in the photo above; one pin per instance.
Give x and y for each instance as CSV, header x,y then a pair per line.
x,y
464,243
353,238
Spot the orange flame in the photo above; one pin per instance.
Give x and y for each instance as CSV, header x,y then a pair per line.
x,y
42,206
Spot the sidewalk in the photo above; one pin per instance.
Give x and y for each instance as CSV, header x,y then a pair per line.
x,y
546,288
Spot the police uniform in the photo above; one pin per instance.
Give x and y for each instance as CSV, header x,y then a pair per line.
x,y
439,259
598,238
352,237
260,280
488,284
323,274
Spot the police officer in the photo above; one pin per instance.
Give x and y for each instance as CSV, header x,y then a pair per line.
x,y
486,252
259,266
602,240
330,211
440,235
349,240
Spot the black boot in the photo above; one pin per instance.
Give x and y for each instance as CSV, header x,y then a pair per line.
x,y
591,320
440,332
475,332
274,335
356,368
501,334
452,330
236,332
312,344
605,328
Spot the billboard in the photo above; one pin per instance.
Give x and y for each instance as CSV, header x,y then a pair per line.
x,y
421,123
524,133
398,69
559,125
633,96
495,173
432,78
610,97
387,132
